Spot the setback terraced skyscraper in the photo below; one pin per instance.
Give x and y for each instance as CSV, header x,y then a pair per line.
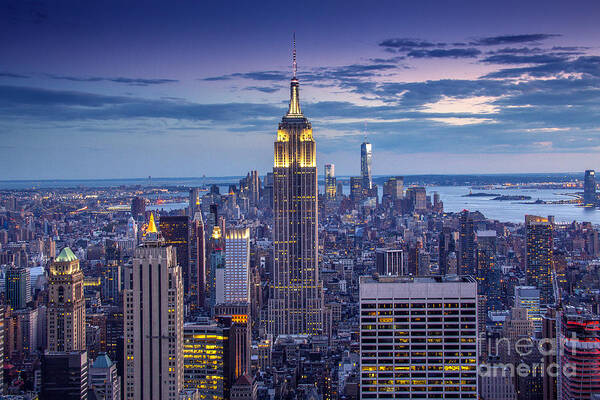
x,y
296,304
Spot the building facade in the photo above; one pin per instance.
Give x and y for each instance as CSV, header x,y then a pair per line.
x,y
104,380
540,256
64,375
589,188
418,337
66,304
366,160
18,287
153,315
390,262
237,266
297,301
330,182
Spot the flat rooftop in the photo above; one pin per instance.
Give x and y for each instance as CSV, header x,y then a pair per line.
x,y
417,279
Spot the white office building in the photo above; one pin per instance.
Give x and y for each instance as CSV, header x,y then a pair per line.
x,y
237,266
418,337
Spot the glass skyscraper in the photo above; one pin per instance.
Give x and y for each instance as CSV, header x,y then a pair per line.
x,y
366,157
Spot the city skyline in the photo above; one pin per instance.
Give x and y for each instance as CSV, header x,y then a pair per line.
x,y
138,95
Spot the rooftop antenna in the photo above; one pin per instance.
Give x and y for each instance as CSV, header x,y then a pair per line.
x,y
294,65
365,131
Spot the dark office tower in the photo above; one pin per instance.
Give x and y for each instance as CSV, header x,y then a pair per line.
x,y
488,273
356,192
417,197
175,232
438,205
297,302
366,158
18,287
194,203
197,261
138,207
589,188
267,193
213,218
111,282
390,262
214,189
330,183
446,246
253,182
340,189
467,245
64,375
539,256
394,188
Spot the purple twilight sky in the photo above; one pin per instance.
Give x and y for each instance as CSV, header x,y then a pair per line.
x,y
116,89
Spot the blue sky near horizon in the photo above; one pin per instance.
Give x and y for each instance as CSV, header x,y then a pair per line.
x,y
129,89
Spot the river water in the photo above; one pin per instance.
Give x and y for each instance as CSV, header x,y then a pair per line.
x,y
506,211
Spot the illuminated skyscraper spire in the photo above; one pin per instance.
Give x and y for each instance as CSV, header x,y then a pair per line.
x,y
294,111
294,65
297,302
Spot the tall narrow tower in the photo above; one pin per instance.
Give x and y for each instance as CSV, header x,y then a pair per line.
x,y
366,159
296,304
153,314
66,304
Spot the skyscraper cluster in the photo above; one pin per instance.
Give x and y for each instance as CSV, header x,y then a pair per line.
x,y
272,287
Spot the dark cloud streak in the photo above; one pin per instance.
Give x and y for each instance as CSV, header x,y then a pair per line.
x,y
128,81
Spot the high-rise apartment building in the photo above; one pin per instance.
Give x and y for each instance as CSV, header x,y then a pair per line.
x,y
237,266
330,182
17,287
540,256
153,315
66,304
366,159
297,302
418,337
589,188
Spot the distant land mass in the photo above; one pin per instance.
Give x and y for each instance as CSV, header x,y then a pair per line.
x,y
426,180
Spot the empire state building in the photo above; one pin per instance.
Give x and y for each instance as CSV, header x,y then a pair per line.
x,y
297,301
